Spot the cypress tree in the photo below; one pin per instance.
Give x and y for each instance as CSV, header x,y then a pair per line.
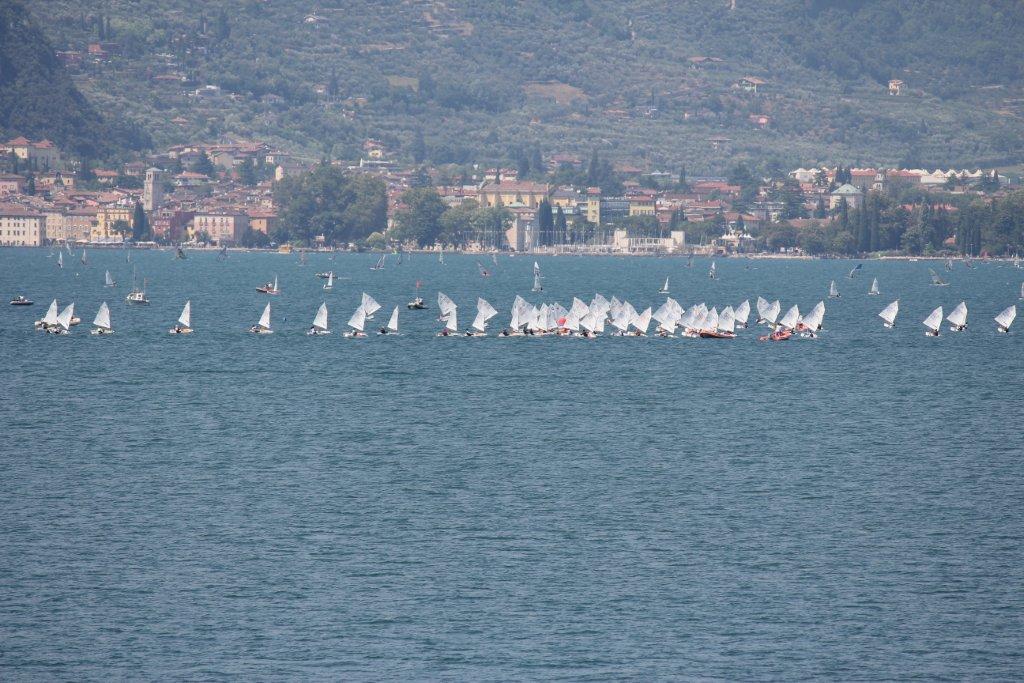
x,y
561,228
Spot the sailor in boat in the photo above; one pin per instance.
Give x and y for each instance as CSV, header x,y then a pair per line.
x,y
21,301
416,304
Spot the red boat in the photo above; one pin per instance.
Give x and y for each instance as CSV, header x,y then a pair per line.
x,y
778,335
708,334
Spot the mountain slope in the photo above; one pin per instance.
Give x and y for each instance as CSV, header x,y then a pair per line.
x,y
480,79
37,97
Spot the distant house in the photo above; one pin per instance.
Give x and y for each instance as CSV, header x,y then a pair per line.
x,y
105,176
751,83
20,227
190,179
760,120
720,143
513,193
224,226
11,184
896,86
38,156
848,194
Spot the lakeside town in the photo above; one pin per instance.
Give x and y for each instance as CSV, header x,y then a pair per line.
x,y
247,194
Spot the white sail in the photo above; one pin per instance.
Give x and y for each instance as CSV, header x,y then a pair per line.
x,y
664,287
479,322
330,280
572,322
934,320
666,317
108,280
579,308
890,312
452,324
445,304
874,287
485,309
185,319
537,286
393,322
51,314
771,314
814,319
320,321
265,318
536,268
762,307
833,291
958,316
790,319
60,260
369,305
275,283
589,322
742,313
727,320
358,320
643,321
102,319
621,320
710,321
64,319
1005,319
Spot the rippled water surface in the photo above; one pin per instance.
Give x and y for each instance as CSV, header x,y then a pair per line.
x,y
411,507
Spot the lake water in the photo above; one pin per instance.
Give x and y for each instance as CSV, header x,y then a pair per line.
x,y
225,505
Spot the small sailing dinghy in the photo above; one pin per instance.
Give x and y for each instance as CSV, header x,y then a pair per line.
x,y
833,291
742,314
445,305
1022,291
269,288
483,271
263,326
358,323
50,318
664,287
184,324
60,260
108,281
1005,319
854,271
874,288
933,322
936,280
810,325
85,259
64,321
380,263
713,273
392,326
889,313
101,324
451,324
319,326
484,312
537,286
369,306
958,318
329,285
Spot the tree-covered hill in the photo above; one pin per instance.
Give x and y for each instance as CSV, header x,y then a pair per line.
x,y
651,80
38,98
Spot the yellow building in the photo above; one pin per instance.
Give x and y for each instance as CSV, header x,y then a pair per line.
x,y
594,205
642,205
513,192
106,217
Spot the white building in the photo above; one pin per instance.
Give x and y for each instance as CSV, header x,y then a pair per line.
x,y
20,227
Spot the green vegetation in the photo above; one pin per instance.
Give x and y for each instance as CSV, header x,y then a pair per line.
x,y
39,100
327,202
463,81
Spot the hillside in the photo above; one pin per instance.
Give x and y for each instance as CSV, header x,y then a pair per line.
x,y
38,98
644,80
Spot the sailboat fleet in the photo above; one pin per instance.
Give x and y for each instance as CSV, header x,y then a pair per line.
x,y
609,317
